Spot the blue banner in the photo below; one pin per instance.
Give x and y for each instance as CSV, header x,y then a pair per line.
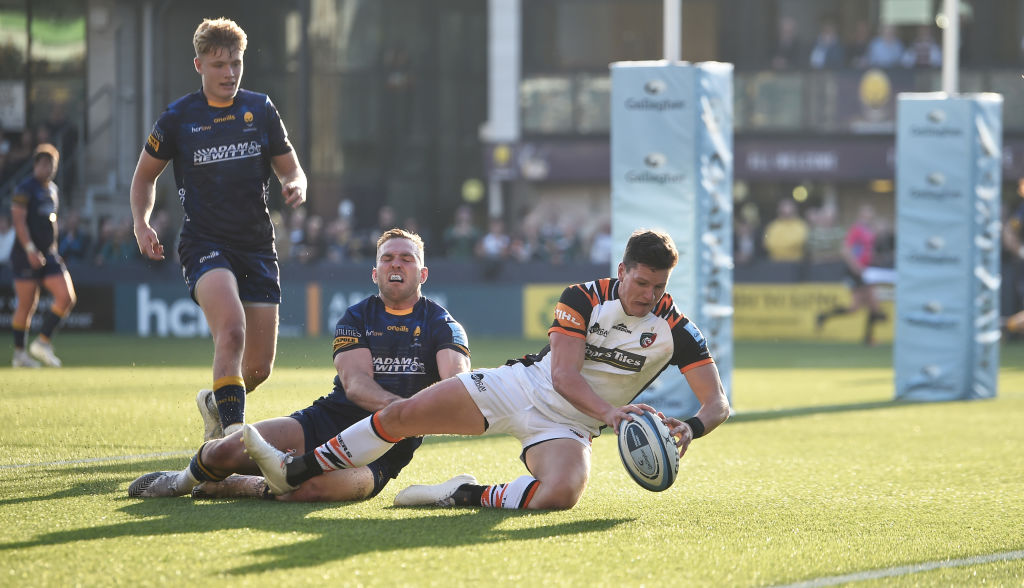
x,y
948,158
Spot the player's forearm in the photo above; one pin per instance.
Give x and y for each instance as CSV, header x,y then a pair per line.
x,y
575,389
368,394
143,198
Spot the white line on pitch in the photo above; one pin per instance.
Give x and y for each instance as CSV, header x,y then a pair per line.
x,y
905,570
95,460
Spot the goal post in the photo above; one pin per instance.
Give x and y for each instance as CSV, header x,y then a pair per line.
x,y
672,169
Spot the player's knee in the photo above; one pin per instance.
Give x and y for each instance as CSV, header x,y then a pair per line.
x,y
232,337
559,494
224,455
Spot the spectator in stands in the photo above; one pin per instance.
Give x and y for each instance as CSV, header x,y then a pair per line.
x,y
825,237
857,48
745,234
385,222
600,250
296,232
859,252
785,237
525,243
827,52
492,248
557,240
924,51
494,244
886,49
342,244
75,242
117,243
789,49
313,247
460,238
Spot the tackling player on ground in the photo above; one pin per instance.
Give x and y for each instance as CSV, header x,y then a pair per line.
x,y
225,142
386,348
609,339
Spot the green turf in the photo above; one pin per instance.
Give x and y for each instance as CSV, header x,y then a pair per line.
x,y
818,474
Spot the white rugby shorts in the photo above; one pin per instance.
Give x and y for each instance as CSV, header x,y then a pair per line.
x,y
499,395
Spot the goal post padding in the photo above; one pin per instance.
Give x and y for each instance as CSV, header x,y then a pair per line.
x,y
672,169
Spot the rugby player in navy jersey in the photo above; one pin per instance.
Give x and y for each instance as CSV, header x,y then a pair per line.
x,y
35,261
386,348
609,339
225,142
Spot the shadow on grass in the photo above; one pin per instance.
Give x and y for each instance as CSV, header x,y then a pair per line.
x,y
332,539
783,413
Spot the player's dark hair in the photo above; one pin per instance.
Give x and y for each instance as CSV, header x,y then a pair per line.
x,y
652,248
218,32
401,234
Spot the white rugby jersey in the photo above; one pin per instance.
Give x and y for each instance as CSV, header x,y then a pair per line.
x,y
623,353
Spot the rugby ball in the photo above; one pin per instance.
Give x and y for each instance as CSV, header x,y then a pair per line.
x,y
648,452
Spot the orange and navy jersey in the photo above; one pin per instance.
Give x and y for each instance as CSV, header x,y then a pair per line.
x,y
222,165
403,344
623,353
41,204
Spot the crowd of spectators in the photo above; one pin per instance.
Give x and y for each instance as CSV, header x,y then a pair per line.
x,y
889,47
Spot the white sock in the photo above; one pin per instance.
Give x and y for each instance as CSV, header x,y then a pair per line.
x,y
515,494
356,446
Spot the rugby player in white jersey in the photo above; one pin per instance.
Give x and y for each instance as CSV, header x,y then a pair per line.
x,y
609,339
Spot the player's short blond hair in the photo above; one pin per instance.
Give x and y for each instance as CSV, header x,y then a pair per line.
x,y
214,33
401,234
46,150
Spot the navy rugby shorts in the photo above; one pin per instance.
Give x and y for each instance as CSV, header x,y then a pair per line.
x,y
258,275
23,270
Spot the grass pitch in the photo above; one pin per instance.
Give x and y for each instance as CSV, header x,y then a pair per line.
x,y
818,478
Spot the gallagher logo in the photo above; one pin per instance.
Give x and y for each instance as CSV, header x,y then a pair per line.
x,y
655,87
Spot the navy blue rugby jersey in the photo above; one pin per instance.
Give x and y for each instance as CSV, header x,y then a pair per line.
x,y
41,203
222,159
404,346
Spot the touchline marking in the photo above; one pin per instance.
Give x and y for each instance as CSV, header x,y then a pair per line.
x,y
14,466
905,570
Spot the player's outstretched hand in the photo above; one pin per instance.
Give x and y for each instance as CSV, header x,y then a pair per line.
x,y
294,193
623,413
681,431
149,242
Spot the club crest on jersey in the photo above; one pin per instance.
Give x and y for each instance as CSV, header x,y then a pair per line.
x,y
647,339
247,117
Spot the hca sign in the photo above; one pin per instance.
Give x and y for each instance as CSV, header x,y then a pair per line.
x,y
161,313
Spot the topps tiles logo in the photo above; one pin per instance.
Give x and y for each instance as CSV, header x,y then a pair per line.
x,y
652,172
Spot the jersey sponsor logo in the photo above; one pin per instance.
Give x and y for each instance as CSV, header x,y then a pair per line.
x,y
478,382
398,365
346,331
209,256
698,337
243,150
647,339
200,128
622,327
399,328
597,329
225,118
624,360
153,142
566,316
344,342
